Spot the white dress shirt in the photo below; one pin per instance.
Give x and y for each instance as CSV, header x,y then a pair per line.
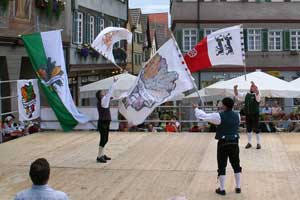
x,y
106,99
213,118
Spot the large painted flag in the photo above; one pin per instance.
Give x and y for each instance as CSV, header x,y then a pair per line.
x,y
28,100
222,47
164,76
106,39
47,57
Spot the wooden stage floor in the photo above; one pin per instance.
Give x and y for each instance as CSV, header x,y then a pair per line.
x,y
154,166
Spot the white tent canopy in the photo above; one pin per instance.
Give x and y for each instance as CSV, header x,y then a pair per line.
x,y
124,83
269,86
295,83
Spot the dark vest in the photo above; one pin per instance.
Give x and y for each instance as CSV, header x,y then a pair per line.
x,y
104,113
229,127
251,105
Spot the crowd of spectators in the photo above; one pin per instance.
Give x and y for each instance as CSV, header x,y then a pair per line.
x,y
11,129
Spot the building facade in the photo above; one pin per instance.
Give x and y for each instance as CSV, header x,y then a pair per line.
x,y
89,18
135,49
19,17
271,34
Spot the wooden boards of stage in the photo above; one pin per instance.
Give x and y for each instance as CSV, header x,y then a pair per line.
x,y
150,166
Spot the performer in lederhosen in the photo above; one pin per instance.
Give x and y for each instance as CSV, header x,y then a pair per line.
x,y
251,111
228,138
104,120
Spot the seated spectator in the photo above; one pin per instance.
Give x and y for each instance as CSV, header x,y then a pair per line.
x,y
11,128
267,126
171,127
266,110
195,128
177,123
283,124
39,174
277,111
292,124
33,127
150,128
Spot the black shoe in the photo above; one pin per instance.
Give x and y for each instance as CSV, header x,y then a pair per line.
x,y
248,146
220,192
258,146
238,190
101,159
106,157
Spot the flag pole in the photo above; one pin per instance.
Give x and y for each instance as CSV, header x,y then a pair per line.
x,y
188,71
243,51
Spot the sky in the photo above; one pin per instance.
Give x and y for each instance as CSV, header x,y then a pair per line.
x,y
150,6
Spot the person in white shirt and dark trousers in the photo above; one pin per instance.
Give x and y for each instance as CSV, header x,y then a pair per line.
x,y
227,134
104,120
251,111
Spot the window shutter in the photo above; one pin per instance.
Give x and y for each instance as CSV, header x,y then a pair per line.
x,y
286,40
75,27
84,31
245,39
88,30
264,33
179,38
200,35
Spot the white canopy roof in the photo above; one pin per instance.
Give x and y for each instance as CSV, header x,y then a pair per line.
x,y
269,86
125,81
295,83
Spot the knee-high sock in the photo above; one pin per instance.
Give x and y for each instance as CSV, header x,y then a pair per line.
x,y
100,151
222,182
237,177
249,135
258,138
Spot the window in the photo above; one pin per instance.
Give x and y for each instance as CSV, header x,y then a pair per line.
x,y
101,24
295,39
78,28
189,39
111,24
209,31
92,29
275,41
254,39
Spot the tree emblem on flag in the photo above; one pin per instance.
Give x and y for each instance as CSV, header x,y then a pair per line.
x,y
224,44
28,99
154,85
51,74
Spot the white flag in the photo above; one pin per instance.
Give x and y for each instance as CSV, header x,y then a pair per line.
x,y
164,76
28,99
106,39
222,47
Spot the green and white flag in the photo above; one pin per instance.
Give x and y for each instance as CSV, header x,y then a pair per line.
x,y
47,57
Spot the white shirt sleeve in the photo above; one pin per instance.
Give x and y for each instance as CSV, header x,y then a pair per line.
x,y
106,99
213,118
240,96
